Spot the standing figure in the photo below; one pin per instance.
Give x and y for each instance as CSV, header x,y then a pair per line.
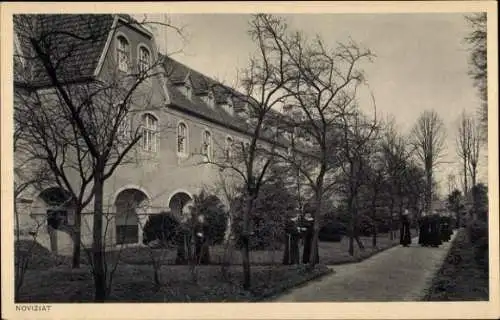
x,y
201,252
423,234
435,237
446,230
292,236
308,225
405,238
183,240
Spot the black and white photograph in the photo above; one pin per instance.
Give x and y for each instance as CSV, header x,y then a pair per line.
x,y
266,155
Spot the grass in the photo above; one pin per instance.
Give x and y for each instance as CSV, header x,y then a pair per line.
x,y
460,278
331,253
133,283
50,278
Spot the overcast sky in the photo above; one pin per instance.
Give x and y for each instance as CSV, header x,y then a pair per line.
x,y
421,59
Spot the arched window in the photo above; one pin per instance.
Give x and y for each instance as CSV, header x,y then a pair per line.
x,y
206,147
182,138
144,59
150,133
229,147
123,51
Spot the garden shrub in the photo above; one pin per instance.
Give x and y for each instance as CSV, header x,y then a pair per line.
x,y
212,208
332,231
160,227
478,237
267,223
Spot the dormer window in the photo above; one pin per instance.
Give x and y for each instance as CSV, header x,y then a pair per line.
x,y
189,91
210,98
228,105
123,53
186,87
144,59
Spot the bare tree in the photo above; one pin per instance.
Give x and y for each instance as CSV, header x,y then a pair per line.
x,y
469,143
475,133
81,126
323,88
463,147
477,41
428,137
27,174
396,155
358,135
261,87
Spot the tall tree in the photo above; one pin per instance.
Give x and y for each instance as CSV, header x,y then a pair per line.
x,y
261,89
357,142
323,89
428,136
469,143
477,41
455,204
463,146
80,124
475,134
396,155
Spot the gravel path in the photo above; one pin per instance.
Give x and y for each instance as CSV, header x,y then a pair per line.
x,y
397,274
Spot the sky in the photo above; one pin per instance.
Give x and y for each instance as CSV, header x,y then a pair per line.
x,y
421,60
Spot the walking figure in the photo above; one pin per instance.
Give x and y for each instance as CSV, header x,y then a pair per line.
x,y
308,225
434,230
424,230
446,229
292,236
405,238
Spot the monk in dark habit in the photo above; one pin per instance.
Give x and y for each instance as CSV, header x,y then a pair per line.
x,y
292,237
423,233
405,238
308,225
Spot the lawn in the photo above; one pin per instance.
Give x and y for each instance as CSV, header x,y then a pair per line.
x,y
134,283
330,253
50,279
460,278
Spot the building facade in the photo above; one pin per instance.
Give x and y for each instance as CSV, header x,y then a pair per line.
x,y
187,121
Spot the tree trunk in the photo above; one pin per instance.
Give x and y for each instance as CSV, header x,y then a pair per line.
x,y
77,239
391,222
156,267
314,258
465,178
246,243
361,246
97,247
246,262
474,192
374,218
428,191
351,226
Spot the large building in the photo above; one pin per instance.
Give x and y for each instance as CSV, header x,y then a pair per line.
x,y
186,120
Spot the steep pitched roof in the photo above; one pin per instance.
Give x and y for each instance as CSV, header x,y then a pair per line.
x,y
178,72
77,42
74,41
